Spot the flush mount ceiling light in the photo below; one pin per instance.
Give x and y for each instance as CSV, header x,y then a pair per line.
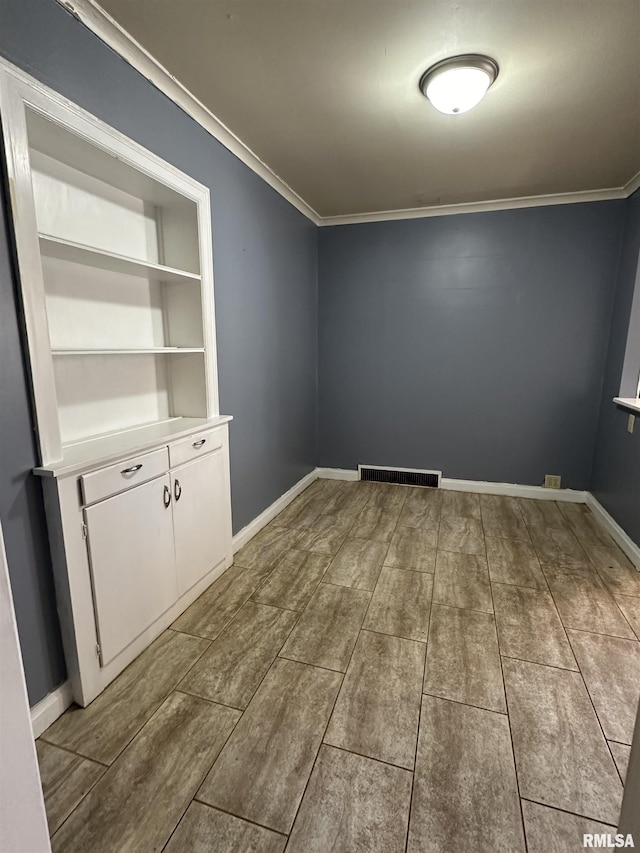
x,y
458,84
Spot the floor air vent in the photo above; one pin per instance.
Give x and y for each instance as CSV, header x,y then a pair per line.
x,y
400,476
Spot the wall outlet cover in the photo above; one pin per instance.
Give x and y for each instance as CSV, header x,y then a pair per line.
x,y
552,481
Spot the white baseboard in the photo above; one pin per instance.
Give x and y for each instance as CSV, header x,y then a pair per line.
x,y
510,489
622,539
50,708
514,490
337,474
243,536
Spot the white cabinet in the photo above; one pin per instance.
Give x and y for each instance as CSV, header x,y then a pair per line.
x,y
200,517
134,543
130,541
152,543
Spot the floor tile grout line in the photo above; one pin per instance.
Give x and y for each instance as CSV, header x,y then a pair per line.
x,y
466,704
334,556
397,636
513,753
262,680
538,663
553,602
242,710
586,687
517,512
386,554
585,630
415,758
120,756
364,755
204,776
324,733
411,568
605,585
565,811
121,752
180,689
152,714
238,817
314,665
613,597
601,634
71,752
81,800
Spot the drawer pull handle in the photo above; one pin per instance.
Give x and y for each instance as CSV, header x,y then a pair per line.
x,y
199,443
167,496
133,469
177,490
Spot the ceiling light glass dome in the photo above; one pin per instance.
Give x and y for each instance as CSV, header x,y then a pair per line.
x,y
459,83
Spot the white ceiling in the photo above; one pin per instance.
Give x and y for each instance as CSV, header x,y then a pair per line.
x,y
325,92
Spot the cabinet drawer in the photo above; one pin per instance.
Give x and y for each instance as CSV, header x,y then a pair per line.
x,y
194,446
116,478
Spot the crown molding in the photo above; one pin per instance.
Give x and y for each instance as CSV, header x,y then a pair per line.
x,y
109,31
631,186
480,206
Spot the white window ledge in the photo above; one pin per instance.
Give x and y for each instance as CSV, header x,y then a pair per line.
x,y
632,403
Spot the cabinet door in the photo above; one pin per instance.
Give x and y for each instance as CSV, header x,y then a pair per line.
x,y
132,560
200,517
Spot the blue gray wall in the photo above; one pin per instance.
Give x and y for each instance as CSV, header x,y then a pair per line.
x,y
616,465
472,344
266,305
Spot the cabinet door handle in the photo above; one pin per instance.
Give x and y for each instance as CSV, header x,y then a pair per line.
x,y
132,470
177,490
199,443
167,495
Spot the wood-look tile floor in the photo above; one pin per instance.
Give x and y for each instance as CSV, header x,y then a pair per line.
x,y
383,669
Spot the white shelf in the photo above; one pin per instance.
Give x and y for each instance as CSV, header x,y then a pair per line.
x,y
65,250
105,449
631,403
145,351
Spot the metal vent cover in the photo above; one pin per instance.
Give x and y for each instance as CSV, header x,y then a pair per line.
x,y
400,476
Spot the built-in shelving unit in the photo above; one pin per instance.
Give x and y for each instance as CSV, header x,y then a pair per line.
x,y
115,253
116,273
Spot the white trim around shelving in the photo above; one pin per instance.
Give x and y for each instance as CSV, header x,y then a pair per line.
x,y
113,34
47,711
243,536
619,536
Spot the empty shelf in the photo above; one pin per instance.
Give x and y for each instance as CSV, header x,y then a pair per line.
x,y
54,247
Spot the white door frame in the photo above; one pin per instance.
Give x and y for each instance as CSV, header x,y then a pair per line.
x,y
23,820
